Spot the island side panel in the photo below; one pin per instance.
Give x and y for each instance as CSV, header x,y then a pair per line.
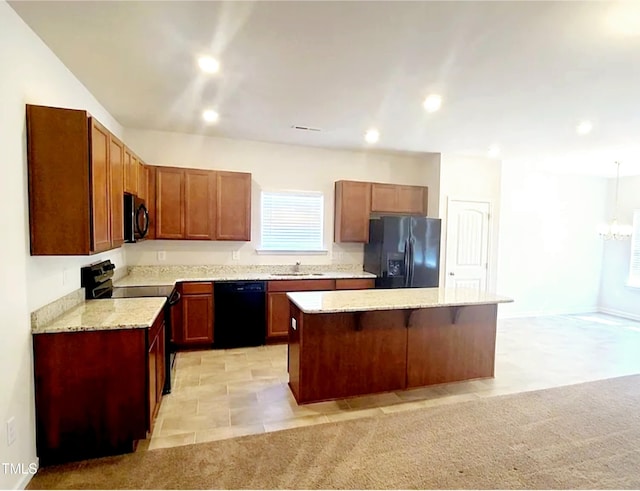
x,y
449,344
293,351
349,354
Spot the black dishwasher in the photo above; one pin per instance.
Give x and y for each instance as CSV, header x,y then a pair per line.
x,y
239,314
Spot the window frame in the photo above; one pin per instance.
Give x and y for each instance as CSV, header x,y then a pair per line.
x,y
633,279
261,249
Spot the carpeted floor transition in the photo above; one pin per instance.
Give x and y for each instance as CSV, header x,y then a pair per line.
x,y
579,436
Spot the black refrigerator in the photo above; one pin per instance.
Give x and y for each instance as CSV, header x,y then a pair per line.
x,y
403,251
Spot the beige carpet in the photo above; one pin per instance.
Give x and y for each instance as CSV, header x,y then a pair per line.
x,y
580,436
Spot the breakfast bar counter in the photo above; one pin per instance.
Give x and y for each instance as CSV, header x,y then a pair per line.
x,y
348,343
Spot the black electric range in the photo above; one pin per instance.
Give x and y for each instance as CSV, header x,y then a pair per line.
x,y
141,291
97,281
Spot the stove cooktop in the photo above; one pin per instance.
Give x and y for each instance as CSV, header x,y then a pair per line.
x,y
141,291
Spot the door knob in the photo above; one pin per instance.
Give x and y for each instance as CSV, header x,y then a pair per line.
x,y
452,273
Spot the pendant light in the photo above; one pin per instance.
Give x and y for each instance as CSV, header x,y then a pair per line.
x,y
613,230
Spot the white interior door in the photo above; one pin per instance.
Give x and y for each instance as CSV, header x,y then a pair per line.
x,y
467,255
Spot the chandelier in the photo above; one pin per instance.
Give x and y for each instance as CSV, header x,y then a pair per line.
x,y
613,230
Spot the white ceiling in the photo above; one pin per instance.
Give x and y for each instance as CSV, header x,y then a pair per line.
x,y
517,74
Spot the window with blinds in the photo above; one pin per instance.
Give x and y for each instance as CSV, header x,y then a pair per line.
x,y
634,268
292,221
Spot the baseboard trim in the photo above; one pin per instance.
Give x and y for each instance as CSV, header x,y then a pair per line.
x,y
26,478
542,313
620,313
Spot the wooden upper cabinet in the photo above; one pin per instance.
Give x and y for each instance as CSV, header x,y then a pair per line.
x,y
77,179
169,203
116,174
352,209
199,204
100,189
384,198
413,199
143,180
394,198
130,172
233,206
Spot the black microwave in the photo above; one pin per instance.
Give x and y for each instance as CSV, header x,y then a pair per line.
x,y
136,218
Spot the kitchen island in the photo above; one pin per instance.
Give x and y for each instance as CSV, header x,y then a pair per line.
x,y
348,343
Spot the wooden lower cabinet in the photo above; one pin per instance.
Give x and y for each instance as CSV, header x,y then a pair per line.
x,y
277,316
196,307
97,392
278,304
156,368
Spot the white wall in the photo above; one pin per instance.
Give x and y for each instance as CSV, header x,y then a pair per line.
x,y
550,252
472,179
30,74
273,167
615,296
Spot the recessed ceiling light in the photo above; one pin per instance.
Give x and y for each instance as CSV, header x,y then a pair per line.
x,y
210,116
372,135
494,151
208,64
584,127
432,103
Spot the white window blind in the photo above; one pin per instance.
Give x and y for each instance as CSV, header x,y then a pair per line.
x,y
292,221
634,268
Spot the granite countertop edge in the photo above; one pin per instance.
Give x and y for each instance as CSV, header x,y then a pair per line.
x,y
309,305
71,321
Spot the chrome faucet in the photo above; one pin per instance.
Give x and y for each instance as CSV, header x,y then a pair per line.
x,y
296,268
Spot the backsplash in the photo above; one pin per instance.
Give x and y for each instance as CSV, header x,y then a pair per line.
x,y
44,315
213,269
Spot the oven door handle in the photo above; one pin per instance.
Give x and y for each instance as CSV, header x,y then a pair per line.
x,y
174,298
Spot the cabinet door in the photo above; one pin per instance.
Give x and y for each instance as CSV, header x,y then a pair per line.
x,y
143,181
199,204
116,172
152,371
277,315
133,175
197,319
384,198
127,165
352,209
233,206
169,203
101,218
160,363
412,199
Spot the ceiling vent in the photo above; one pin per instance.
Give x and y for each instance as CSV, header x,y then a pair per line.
x,y
304,128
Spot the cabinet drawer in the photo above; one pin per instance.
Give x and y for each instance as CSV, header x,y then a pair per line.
x,y
300,285
355,283
194,288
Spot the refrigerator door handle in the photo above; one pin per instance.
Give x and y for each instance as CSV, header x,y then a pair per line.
x,y
411,260
407,272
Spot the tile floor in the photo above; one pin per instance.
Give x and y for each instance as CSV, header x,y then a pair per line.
x,y
222,394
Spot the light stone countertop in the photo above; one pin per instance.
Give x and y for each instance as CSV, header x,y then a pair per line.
x,y
99,315
324,302
170,279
